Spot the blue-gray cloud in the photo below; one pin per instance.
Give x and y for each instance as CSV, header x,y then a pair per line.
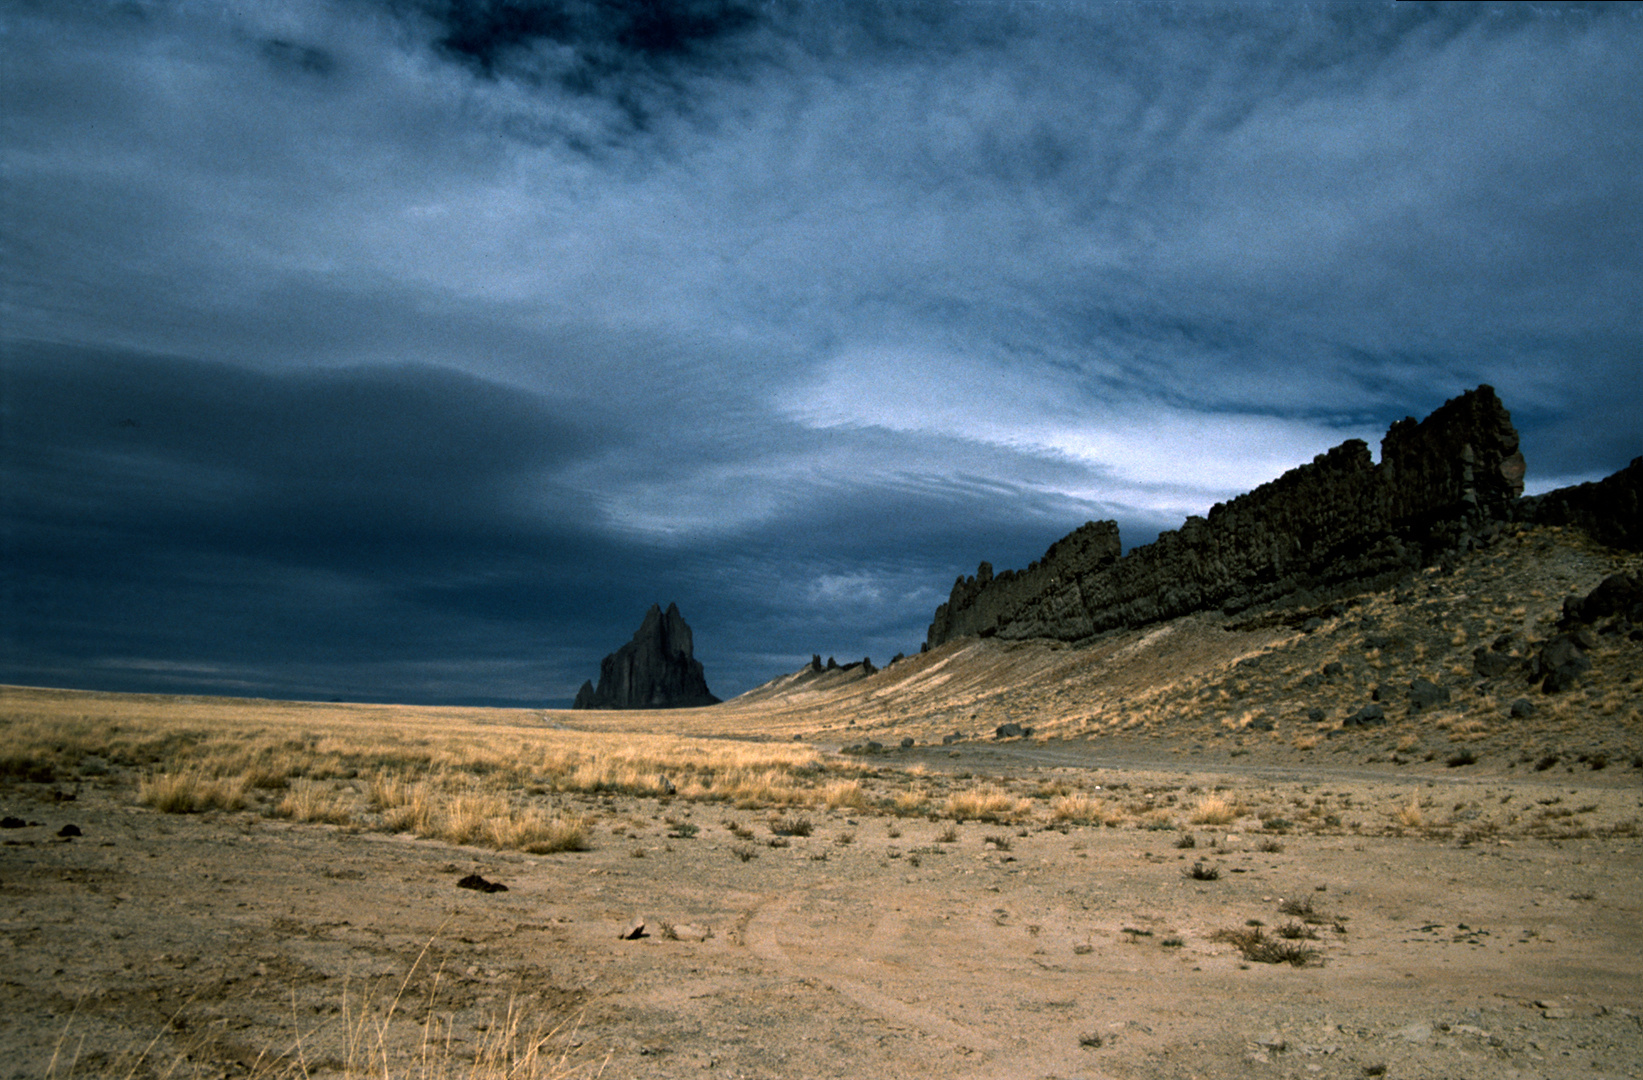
x,y
453,334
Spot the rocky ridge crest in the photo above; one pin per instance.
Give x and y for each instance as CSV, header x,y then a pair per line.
x,y
1444,484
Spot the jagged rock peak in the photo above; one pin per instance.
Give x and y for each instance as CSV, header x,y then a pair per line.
x,y
656,670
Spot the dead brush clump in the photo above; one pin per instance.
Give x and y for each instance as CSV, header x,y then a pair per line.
x,y
987,803
1258,948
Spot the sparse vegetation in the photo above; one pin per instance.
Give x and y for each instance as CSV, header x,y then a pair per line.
x,y
1258,948
1204,872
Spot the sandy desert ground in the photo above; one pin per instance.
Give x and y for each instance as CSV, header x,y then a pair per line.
x,y
1455,893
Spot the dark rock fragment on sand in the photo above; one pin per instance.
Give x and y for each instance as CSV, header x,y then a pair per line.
x,y
479,884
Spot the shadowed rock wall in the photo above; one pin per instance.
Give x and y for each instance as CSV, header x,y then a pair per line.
x,y
656,670
1610,510
1341,518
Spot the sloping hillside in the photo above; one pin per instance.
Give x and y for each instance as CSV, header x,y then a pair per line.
x,y
1276,683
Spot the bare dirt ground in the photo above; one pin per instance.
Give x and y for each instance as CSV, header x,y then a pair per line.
x,y
1481,919
877,945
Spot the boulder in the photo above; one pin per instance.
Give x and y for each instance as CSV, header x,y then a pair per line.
x,y
1424,694
1560,664
656,670
1368,716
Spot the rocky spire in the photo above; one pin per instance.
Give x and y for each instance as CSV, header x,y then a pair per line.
x,y
656,670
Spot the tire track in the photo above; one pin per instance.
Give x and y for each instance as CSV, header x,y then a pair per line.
x,y
763,941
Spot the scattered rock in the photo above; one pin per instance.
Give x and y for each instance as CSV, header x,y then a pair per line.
x,y
1316,715
948,740
907,743
9,822
1522,709
1368,716
70,830
1560,664
479,884
1490,664
1011,730
633,931
686,932
1618,594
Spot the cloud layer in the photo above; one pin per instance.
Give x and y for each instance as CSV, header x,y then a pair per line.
x,y
410,350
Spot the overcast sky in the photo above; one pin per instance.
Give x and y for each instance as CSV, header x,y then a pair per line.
x,y
410,349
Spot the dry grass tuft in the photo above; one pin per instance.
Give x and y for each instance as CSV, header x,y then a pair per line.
x,y
1214,810
191,792
842,794
316,801
1084,810
985,804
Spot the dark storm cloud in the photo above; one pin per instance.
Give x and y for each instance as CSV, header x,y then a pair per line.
x,y
452,335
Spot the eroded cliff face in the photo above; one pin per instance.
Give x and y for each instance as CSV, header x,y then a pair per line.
x,y
1441,483
656,670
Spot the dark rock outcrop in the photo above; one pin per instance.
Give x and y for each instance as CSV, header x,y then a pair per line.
x,y
1609,510
1340,520
656,670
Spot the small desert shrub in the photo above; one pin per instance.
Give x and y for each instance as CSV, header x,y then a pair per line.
x,y
1002,843
1303,910
1271,847
1260,949
1294,931
1214,810
1463,757
1411,815
844,839
1203,872
792,826
950,836
745,852
1186,841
